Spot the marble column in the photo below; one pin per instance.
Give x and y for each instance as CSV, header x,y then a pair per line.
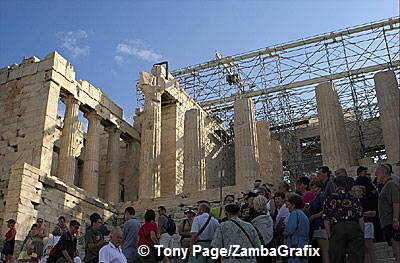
x,y
264,150
193,156
246,146
335,145
131,178
388,95
150,150
66,159
276,160
112,180
90,180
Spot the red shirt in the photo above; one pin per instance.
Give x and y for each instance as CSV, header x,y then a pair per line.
x,y
144,234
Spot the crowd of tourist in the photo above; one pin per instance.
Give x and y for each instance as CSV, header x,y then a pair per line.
x,y
341,216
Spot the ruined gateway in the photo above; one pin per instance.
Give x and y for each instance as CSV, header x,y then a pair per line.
x,y
174,154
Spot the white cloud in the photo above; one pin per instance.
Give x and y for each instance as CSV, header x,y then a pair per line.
x,y
139,49
70,42
119,59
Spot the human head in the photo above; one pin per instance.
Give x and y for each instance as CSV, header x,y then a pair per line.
x,y
150,215
257,183
74,226
340,182
323,173
190,213
303,184
358,191
95,221
34,226
294,202
30,249
362,171
203,208
341,172
10,223
382,173
61,220
250,198
316,187
229,199
129,213
232,210
260,203
162,210
39,221
117,237
57,232
279,198
283,187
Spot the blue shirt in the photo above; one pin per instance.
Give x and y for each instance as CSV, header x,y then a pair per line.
x,y
297,227
316,207
131,232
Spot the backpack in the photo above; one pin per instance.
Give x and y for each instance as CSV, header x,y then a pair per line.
x,y
170,226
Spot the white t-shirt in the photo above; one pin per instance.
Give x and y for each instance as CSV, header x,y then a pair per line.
x,y
209,231
283,212
111,254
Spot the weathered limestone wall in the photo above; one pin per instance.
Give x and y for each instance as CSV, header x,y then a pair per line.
x,y
388,95
335,145
33,194
246,144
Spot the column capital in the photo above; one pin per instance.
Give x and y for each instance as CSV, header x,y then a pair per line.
x,y
91,115
70,99
112,129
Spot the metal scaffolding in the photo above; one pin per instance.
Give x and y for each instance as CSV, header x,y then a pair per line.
x,y
281,81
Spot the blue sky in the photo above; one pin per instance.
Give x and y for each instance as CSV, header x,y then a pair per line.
x,y
109,42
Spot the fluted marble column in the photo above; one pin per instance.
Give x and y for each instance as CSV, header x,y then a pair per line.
x,y
90,180
66,159
150,150
112,185
264,150
335,145
276,163
246,147
193,155
388,95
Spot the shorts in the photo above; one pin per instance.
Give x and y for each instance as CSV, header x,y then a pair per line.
x,y
8,247
390,234
368,230
320,233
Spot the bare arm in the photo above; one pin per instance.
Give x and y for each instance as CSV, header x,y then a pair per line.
x,y
318,215
153,237
370,213
66,255
396,215
327,225
361,223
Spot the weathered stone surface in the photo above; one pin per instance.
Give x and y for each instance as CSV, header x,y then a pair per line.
x,y
246,144
335,146
388,95
264,150
112,184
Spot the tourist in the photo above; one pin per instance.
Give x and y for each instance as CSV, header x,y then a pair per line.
x,y
349,180
148,237
264,191
296,227
303,189
9,241
165,237
66,246
370,206
185,226
324,176
317,226
218,211
38,236
388,207
235,231
112,253
28,255
344,224
257,184
247,210
53,240
281,214
29,238
203,230
131,233
61,225
263,222
283,188
94,239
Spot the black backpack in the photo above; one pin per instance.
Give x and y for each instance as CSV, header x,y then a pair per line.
x,y
170,226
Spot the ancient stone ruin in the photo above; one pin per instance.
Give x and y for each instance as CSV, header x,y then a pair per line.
x,y
178,150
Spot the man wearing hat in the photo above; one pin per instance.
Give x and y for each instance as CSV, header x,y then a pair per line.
x,y
234,232
248,212
9,242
